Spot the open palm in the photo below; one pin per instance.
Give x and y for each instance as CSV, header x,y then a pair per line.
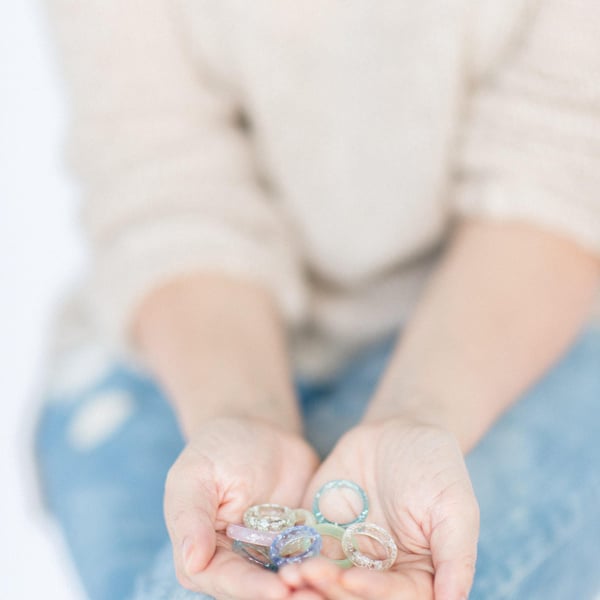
x,y
229,465
419,490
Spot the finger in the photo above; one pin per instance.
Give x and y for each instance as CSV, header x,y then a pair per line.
x,y
325,577
230,576
292,576
454,550
191,502
306,595
365,584
370,585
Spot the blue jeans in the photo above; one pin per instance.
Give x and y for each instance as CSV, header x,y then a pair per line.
x,y
104,449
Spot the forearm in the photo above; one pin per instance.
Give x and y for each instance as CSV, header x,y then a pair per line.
x,y
217,347
506,302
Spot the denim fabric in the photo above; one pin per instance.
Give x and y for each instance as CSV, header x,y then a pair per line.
x,y
104,449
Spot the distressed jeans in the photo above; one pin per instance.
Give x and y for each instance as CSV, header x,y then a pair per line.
x,y
105,442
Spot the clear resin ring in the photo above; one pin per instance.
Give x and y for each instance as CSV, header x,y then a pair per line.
x,y
376,533
259,555
304,517
336,484
250,536
295,545
269,517
337,532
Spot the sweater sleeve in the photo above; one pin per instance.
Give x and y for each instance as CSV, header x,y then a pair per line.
x,y
166,170
531,149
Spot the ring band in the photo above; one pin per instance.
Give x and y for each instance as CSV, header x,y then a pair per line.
x,y
269,517
259,555
290,537
250,536
335,484
337,532
376,533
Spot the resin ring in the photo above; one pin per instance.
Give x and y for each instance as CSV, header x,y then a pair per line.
x,y
304,517
337,532
335,484
250,536
269,517
259,555
376,533
306,537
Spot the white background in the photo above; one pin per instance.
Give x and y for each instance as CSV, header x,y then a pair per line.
x,y
40,252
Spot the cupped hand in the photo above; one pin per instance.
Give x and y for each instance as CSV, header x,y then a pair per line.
x,y
227,466
419,490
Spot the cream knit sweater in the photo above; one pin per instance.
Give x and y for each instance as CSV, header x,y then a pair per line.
x,y
323,148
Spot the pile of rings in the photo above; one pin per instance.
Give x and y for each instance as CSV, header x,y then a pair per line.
x,y
273,535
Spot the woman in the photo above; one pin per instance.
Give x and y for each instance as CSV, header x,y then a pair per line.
x,y
377,221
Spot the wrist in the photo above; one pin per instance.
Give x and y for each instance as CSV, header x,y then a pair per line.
x,y
426,409
218,349
196,408
235,424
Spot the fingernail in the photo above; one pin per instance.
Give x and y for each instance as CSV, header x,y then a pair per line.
x,y
187,552
276,594
291,574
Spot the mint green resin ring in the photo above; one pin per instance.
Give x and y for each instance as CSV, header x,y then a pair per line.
x,y
337,532
304,517
336,484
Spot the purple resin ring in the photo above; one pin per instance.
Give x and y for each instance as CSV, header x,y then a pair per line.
x,y
250,536
294,536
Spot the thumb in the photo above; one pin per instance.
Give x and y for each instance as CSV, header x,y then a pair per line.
x,y
190,507
454,551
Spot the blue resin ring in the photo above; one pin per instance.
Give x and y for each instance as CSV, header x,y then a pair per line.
x,y
259,555
333,485
306,538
